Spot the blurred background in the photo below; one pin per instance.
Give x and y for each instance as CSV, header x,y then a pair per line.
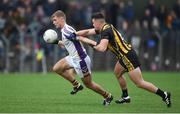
x,y
151,26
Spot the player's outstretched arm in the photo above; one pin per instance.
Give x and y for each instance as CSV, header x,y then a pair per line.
x,y
102,46
86,32
87,41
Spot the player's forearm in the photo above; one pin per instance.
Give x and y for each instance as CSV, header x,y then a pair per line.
x,y
85,32
82,33
100,48
86,40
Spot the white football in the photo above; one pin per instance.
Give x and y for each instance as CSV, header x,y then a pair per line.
x,y
50,36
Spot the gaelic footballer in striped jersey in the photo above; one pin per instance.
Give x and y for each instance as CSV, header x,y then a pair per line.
x,y
127,59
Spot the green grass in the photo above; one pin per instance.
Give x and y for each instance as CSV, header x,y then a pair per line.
x,y
21,93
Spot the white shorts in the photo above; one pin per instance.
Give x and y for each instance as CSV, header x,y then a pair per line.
x,y
81,66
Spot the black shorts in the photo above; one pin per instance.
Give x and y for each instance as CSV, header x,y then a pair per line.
x,y
129,61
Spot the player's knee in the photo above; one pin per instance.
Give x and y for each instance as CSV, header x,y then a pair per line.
x,y
56,69
140,84
116,73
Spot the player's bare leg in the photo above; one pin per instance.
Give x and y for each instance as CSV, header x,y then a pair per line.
x,y
136,76
94,86
61,68
67,72
119,71
87,80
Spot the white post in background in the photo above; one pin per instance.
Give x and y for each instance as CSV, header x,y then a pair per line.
x,y
44,64
34,28
160,49
7,45
22,55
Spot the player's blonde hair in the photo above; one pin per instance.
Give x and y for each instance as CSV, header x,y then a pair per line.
x,y
58,13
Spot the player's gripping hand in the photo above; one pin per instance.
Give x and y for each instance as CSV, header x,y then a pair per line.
x,y
72,36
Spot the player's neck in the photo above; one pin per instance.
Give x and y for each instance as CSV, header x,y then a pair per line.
x,y
63,24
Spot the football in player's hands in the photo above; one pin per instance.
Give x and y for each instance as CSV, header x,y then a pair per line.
x,y
50,36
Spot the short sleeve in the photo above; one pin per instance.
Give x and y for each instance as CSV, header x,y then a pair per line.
x,y
106,33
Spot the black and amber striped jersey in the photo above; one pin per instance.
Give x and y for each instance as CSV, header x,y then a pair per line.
x,y
117,44
125,54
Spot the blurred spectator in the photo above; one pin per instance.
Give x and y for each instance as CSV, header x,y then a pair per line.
x,y
175,21
105,9
113,16
172,22
129,11
63,5
162,14
136,36
96,5
122,8
151,6
7,5
155,24
50,6
40,14
147,19
2,20
76,12
176,8
87,16
32,18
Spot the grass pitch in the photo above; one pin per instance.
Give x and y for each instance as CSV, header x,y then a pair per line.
x,y
30,93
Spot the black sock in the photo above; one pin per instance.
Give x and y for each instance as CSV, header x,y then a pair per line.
x,y
124,93
160,93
